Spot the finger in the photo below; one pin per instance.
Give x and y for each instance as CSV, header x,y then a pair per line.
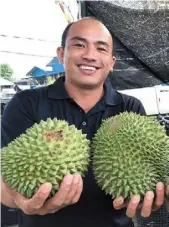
x,y
118,203
73,189
132,206
147,204
78,192
30,206
58,199
160,194
44,211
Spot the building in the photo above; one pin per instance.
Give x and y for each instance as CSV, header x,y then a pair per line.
x,y
55,69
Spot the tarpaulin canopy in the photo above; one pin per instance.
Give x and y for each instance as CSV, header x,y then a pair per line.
x,y
140,30
4,82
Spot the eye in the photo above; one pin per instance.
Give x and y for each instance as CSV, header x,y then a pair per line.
x,y
102,49
79,45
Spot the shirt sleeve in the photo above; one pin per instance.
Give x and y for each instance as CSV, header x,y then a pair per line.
x,y
17,117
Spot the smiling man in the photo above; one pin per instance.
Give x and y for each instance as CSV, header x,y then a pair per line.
x,y
88,59
83,98
88,56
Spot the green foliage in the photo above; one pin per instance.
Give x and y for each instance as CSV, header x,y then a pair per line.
x,y
6,71
50,80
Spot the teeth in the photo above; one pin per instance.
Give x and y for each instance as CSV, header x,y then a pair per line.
x,y
87,67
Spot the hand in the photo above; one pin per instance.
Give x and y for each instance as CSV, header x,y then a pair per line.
x,y
146,207
69,193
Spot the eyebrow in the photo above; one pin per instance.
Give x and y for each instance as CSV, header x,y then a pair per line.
x,y
79,38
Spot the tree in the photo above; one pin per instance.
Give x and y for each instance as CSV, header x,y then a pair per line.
x,y
6,71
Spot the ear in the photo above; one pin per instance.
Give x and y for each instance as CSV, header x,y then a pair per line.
x,y
113,61
60,54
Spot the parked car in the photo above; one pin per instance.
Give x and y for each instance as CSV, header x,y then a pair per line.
x,y
7,94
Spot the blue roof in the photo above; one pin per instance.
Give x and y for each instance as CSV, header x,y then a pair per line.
x,y
57,68
56,65
36,72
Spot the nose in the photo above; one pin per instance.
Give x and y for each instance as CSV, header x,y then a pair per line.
x,y
89,54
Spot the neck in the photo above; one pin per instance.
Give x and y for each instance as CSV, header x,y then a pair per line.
x,y
85,98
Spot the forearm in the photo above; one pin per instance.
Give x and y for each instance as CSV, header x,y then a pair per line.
x,y
6,198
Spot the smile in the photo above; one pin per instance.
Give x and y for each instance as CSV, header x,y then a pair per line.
x,y
87,67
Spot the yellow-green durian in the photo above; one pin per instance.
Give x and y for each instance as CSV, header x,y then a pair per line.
x,y
46,152
130,155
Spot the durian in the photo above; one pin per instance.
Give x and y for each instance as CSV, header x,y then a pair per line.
x,y
130,155
46,152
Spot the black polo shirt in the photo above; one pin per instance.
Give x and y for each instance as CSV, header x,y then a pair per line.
x,y
94,209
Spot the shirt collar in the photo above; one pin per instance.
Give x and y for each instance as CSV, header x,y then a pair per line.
x,y
111,96
57,91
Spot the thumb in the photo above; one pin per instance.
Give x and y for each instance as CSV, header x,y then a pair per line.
x,y
40,197
30,205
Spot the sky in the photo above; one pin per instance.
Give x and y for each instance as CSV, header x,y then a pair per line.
x,y
37,19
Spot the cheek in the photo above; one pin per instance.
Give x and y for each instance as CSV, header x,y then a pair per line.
x,y
108,64
70,59
67,61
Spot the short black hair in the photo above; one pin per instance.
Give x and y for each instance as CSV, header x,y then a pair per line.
x,y
65,34
66,30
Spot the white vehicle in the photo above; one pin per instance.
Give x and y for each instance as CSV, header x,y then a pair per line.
x,y
154,99
7,94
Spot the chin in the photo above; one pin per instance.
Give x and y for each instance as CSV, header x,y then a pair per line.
x,y
89,85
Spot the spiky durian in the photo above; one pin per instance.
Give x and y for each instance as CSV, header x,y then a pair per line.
x,y
46,152
130,155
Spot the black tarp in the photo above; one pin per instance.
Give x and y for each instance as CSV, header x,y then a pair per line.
x,y
140,30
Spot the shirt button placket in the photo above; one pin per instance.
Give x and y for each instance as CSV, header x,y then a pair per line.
x,y
84,123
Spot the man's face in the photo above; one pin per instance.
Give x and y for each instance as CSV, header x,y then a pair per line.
x,y
87,56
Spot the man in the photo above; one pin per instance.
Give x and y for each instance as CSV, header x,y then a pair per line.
x,y
84,99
